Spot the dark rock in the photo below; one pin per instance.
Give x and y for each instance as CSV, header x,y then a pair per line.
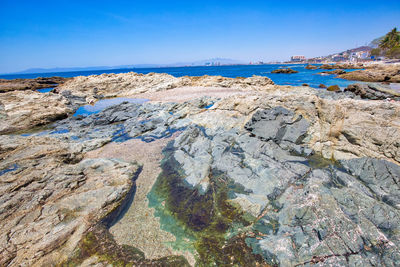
x,y
333,88
305,84
286,71
311,67
374,92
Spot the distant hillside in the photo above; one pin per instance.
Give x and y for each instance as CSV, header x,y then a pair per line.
x,y
375,43
206,62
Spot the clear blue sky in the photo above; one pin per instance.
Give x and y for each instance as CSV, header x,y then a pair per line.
x,y
72,33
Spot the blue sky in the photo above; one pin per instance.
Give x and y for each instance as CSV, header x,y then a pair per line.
x,y
47,34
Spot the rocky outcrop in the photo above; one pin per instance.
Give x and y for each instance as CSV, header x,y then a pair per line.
x,y
30,84
303,211
341,66
274,175
374,92
334,88
311,67
286,71
23,110
378,73
335,72
50,195
130,84
26,109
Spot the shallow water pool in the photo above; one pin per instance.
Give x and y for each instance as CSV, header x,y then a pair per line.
x,y
100,105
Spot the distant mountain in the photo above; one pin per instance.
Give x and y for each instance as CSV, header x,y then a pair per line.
x,y
49,70
207,62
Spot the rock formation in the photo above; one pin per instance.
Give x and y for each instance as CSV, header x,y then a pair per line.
x,y
341,66
253,174
30,84
286,71
371,91
375,73
311,67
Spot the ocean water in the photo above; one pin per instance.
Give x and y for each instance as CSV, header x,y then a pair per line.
x,y
297,79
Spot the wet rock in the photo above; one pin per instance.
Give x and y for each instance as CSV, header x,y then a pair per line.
x,y
325,220
333,88
371,91
322,86
286,71
304,213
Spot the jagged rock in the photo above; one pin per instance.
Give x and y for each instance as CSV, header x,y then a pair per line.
x,y
322,86
304,212
375,73
286,71
52,196
26,109
371,91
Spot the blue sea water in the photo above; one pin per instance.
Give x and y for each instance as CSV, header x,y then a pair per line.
x,y
297,79
45,90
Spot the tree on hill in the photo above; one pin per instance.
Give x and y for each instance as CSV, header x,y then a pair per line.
x,y
391,39
389,45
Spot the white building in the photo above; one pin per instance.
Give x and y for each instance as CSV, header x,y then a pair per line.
x,y
298,58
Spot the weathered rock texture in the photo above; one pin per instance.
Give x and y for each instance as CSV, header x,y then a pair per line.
x,y
276,174
30,84
128,84
378,73
372,91
20,110
51,195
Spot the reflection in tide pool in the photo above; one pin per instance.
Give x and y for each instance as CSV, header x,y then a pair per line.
x,y
105,103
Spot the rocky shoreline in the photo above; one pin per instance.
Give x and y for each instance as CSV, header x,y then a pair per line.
x,y
210,170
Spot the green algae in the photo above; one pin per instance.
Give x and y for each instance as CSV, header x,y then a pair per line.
x,y
206,224
98,242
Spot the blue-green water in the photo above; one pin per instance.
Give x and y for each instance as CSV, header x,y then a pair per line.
x,y
304,76
105,103
45,90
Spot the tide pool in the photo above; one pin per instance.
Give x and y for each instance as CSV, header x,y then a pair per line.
x,y
45,90
100,105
